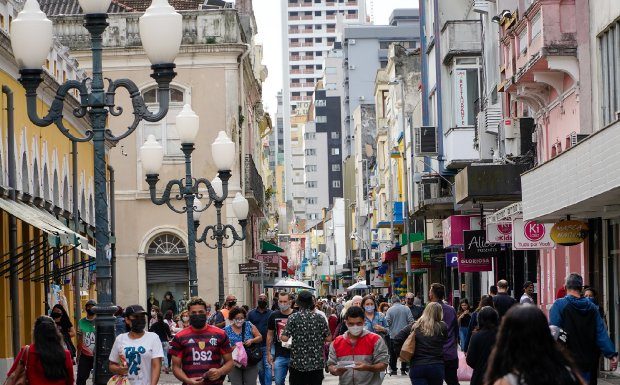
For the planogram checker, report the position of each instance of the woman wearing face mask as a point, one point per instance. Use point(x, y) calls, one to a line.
point(184, 320)
point(374, 321)
point(65, 327)
point(242, 331)
point(138, 353)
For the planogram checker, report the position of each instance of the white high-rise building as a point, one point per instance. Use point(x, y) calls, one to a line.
point(309, 33)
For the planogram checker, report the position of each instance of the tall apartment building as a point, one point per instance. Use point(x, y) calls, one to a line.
point(309, 35)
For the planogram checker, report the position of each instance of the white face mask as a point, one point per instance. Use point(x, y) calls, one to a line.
point(185, 319)
point(356, 330)
point(239, 322)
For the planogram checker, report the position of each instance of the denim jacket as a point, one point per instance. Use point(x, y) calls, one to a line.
point(379, 319)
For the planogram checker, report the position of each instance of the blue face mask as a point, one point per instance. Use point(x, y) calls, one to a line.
point(369, 309)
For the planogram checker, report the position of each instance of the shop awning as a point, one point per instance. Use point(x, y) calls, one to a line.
point(45, 221)
point(267, 247)
point(391, 255)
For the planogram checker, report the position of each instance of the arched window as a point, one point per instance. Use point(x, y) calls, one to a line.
point(25, 176)
point(65, 194)
point(36, 190)
point(46, 184)
point(165, 130)
point(167, 244)
point(56, 189)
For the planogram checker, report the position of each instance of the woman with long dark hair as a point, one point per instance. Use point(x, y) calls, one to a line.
point(525, 353)
point(485, 300)
point(482, 343)
point(464, 317)
point(46, 360)
point(61, 318)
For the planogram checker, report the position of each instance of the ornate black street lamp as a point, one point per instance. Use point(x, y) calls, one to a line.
point(223, 153)
point(31, 39)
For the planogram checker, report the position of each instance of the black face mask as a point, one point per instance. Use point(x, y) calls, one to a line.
point(138, 325)
point(56, 315)
point(90, 311)
point(262, 304)
point(232, 303)
point(198, 321)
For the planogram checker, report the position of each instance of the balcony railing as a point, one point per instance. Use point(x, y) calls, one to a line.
point(254, 188)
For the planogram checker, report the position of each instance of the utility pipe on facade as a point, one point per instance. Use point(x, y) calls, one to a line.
point(77, 311)
point(112, 230)
point(13, 279)
point(406, 175)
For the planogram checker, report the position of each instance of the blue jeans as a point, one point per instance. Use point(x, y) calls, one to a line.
point(281, 369)
point(427, 374)
point(462, 337)
point(264, 376)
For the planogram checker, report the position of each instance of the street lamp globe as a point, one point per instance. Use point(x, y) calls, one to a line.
point(31, 36)
point(218, 187)
point(161, 32)
point(198, 206)
point(95, 6)
point(223, 152)
point(152, 156)
point(241, 207)
point(188, 124)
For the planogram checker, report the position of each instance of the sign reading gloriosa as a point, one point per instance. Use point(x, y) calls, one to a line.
point(569, 233)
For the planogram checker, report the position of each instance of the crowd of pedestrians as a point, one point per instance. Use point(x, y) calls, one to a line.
point(357, 339)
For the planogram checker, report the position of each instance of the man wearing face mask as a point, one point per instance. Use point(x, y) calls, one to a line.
point(416, 308)
point(260, 318)
point(358, 356)
point(275, 326)
point(231, 302)
point(86, 343)
point(201, 353)
point(138, 353)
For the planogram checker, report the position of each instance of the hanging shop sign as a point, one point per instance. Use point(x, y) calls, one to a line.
point(249, 268)
point(476, 245)
point(417, 262)
point(569, 233)
point(531, 235)
point(453, 228)
point(452, 259)
point(500, 232)
point(474, 265)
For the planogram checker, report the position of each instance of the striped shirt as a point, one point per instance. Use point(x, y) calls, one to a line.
point(201, 350)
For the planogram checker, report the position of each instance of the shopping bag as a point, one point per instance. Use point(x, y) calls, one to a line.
point(406, 352)
point(464, 372)
point(240, 357)
point(118, 380)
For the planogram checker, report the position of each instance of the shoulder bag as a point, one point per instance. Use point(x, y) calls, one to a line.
point(408, 349)
point(19, 375)
point(255, 355)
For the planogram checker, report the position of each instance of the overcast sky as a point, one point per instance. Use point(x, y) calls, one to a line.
point(270, 35)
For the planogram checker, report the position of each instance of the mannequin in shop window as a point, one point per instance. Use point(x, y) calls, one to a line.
point(168, 303)
point(183, 301)
point(151, 302)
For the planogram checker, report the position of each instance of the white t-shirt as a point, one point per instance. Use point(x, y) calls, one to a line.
point(138, 354)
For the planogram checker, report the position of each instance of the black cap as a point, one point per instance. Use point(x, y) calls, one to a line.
point(133, 310)
point(90, 302)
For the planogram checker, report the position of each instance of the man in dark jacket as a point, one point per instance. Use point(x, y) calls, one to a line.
point(451, 359)
point(503, 301)
point(587, 336)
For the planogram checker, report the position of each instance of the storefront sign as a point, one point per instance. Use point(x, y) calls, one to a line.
point(452, 259)
point(461, 107)
point(474, 265)
point(418, 263)
point(453, 228)
point(531, 235)
point(569, 233)
point(437, 229)
point(249, 268)
point(476, 245)
point(499, 232)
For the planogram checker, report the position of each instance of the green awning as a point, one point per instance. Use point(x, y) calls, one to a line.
point(267, 247)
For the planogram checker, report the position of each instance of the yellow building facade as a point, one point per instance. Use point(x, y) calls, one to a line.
point(46, 237)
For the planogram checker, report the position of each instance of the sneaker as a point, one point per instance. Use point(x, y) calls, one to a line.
point(404, 372)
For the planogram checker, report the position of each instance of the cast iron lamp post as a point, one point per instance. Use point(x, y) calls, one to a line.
point(31, 39)
point(223, 152)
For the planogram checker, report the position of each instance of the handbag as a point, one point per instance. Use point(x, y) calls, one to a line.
point(406, 352)
point(19, 375)
point(255, 355)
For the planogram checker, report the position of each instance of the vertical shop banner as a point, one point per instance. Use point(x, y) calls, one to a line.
point(477, 252)
point(500, 232)
point(461, 108)
point(453, 228)
point(531, 235)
